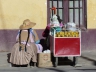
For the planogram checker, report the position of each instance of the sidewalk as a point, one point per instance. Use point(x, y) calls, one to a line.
point(3, 59)
point(87, 58)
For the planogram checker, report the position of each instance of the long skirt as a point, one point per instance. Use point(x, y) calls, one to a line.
point(21, 57)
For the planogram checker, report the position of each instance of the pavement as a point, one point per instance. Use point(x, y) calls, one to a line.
point(86, 62)
point(52, 69)
point(88, 58)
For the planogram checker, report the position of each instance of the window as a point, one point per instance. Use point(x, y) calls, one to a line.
point(59, 8)
point(70, 11)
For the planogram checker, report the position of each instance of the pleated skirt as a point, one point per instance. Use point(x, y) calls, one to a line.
point(21, 57)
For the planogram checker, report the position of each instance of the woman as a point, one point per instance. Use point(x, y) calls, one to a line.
point(27, 45)
point(47, 30)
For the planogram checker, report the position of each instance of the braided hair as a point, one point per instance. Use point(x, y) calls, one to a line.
point(20, 40)
point(58, 17)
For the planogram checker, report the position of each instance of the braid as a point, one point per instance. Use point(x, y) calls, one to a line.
point(58, 17)
point(27, 39)
point(20, 40)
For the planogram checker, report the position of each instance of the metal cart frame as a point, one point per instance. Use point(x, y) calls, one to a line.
point(54, 40)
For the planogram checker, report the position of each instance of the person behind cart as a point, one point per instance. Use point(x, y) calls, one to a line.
point(55, 23)
point(27, 45)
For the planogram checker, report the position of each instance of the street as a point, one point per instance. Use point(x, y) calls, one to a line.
point(52, 69)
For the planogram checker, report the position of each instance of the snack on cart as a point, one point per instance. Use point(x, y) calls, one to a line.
point(65, 43)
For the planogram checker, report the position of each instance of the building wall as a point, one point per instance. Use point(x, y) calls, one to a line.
point(88, 41)
point(91, 14)
point(13, 12)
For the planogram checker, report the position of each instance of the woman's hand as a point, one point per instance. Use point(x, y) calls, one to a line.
point(52, 25)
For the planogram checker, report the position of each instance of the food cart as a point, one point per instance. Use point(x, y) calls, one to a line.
point(66, 44)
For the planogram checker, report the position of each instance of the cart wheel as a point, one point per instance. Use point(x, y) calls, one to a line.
point(74, 61)
point(56, 62)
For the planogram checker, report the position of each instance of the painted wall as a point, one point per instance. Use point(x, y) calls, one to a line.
point(13, 12)
point(91, 14)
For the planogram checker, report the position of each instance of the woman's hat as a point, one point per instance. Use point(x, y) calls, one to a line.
point(27, 24)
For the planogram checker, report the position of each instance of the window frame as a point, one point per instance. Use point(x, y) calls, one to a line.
point(66, 11)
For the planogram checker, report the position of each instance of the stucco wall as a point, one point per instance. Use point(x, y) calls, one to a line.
point(13, 12)
point(91, 14)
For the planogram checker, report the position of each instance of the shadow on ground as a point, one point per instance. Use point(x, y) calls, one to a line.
point(64, 61)
point(8, 57)
point(89, 59)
